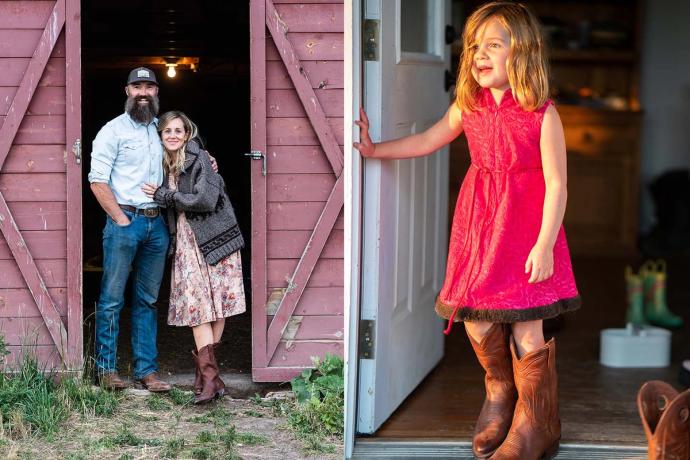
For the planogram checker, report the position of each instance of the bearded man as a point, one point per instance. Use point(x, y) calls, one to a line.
point(127, 153)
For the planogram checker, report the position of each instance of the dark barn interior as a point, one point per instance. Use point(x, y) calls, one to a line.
point(212, 37)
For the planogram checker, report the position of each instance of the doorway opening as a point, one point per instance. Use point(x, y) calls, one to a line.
point(214, 92)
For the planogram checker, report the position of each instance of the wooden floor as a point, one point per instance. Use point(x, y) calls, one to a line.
point(597, 404)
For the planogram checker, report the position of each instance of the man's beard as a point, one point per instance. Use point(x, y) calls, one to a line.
point(142, 113)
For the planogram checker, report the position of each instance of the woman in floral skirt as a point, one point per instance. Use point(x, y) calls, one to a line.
point(206, 282)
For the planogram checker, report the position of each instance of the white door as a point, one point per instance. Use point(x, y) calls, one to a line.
point(404, 232)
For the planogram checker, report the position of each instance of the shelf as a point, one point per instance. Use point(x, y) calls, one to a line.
point(625, 56)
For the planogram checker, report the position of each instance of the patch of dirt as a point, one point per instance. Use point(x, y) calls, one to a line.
point(152, 427)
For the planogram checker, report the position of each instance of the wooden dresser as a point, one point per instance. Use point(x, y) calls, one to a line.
point(603, 179)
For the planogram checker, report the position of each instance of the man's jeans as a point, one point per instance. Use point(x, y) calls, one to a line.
point(141, 245)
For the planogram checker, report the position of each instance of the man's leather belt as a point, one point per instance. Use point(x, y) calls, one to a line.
point(147, 212)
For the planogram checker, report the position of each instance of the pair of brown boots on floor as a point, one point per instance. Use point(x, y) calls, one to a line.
point(665, 417)
point(207, 382)
point(519, 419)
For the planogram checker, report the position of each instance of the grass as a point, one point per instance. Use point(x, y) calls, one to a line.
point(251, 439)
point(318, 412)
point(157, 402)
point(180, 397)
point(125, 437)
point(173, 447)
point(32, 403)
point(218, 416)
point(41, 415)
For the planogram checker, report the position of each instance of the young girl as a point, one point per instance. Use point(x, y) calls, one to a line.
point(207, 271)
point(508, 263)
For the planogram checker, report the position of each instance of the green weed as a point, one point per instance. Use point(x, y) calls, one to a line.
point(202, 453)
point(205, 437)
point(320, 398)
point(251, 439)
point(125, 437)
point(89, 400)
point(157, 402)
point(229, 438)
point(173, 447)
point(3, 349)
point(318, 410)
point(180, 397)
point(218, 416)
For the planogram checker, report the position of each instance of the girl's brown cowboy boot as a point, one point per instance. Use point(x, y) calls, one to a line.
point(536, 429)
point(212, 385)
point(665, 417)
point(494, 419)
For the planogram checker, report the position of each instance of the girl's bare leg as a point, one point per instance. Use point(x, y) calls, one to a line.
point(528, 336)
point(477, 329)
point(203, 335)
point(218, 327)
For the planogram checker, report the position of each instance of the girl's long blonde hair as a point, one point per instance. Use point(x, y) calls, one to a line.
point(527, 64)
point(174, 163)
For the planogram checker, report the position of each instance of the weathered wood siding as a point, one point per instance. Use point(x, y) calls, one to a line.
point(40, 300)
point(297, 120)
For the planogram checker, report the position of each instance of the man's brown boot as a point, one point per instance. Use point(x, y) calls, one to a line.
point(111, 381)
point(212, 385)
point(666, 420)
point(155, 385)
point(536, 429)
point(492, 426)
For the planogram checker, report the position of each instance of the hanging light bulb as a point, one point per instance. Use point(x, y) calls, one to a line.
point(171, 70)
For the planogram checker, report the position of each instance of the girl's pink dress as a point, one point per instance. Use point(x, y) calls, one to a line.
point(497, 220)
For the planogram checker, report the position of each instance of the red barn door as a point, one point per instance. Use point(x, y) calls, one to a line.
point(297, 184)
point(40, 182)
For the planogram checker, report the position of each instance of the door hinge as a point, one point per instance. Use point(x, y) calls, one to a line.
point(76, 150)
point(366, 339)
point(370, 40)
point(258, 155)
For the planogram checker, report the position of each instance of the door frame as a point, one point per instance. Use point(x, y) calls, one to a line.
point(353, 171)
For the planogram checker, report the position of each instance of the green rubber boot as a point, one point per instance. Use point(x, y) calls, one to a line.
point(654, 285)
point(633, 283)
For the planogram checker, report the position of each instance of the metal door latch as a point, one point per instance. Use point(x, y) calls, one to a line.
point(370, 40)
point(366, 339)
point(258, 155)
point(76, 150)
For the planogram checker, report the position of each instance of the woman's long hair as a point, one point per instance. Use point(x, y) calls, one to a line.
point(174, 163)
point(527, 66)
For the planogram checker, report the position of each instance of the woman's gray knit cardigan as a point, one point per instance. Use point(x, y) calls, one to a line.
point(201, 195)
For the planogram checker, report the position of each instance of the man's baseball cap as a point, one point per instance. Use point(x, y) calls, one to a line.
point(141, 74)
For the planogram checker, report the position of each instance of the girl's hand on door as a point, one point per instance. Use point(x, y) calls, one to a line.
point(365, 146)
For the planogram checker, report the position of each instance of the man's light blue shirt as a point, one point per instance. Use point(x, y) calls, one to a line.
point(125, 155)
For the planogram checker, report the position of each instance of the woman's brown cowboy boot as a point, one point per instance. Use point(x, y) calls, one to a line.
point(536, 429)
point(212, 385)
point(197, 376)
point(665, 417)
point(497, 412)
point(197, 373)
